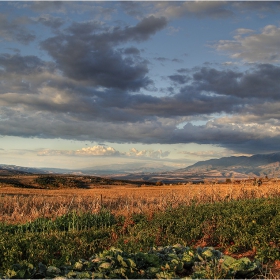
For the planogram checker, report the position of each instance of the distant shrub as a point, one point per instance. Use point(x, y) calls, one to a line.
point(49, 181)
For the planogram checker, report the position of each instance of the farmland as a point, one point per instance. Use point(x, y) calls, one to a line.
point(58, 226)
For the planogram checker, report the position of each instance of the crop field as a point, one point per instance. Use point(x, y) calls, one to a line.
point(24, 204)
point(134, 231)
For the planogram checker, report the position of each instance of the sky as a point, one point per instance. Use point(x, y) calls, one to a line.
point(87, 84)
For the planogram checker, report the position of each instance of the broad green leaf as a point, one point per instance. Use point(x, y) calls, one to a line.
point(97, 275)
point(119, 258)
point(71, 274)
point(130, 263)
point(53, 271)
point(174, 261)
point(208, 253)
point(78, 266)
point(187, 259)
point(84, 275)
point(105, 265)
point(21, 273)
point(180, 266)
point(10, 273)
point(227, 261)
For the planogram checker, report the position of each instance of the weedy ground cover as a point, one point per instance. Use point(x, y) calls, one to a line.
point(19, 205)
point(234, 226)
point(159, 263)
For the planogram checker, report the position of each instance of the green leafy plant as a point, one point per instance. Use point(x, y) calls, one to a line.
point(159, 263)
point(235, 226)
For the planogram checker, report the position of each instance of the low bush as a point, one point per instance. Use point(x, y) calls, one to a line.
point(234, 226)
point(169, 262)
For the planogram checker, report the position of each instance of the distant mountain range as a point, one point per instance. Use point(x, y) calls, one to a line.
point(256, 165)
point(259, 165)
point(241, 167)
point(6, 169)
point(130, 168)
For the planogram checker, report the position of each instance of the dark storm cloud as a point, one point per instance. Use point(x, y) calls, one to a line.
point(213, 91)
point(207, 91)
point(180, 79)
point(23, 74)
point(202, 90)
point(44, 125)
point(106, 36)
point(98, 87)
point(256, 146)
point(86, 53)
point(14, 30)
point(121, 117)
point(189, 102)
point(106, 68)
point(86, 30)
point(131, 51)
point(17, 64)
point(50, 21)
point(147, 27)
point(262, 81)
point(245, 139)
point(40, 6)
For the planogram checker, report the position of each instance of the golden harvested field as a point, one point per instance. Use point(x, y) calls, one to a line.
point(24, 204)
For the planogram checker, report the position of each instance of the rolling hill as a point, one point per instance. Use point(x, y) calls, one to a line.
point(241, 167)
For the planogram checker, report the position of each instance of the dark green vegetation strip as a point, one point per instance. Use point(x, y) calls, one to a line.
point(237, 226)
point(159, 263)
point(71, 221)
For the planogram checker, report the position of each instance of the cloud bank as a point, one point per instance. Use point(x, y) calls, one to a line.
point(101, 151)
point(250, 47)
point(94, 81)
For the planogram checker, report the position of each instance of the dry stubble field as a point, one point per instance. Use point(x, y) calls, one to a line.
point(19, 205)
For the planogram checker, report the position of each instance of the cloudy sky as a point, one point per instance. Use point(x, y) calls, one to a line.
point(93, 83)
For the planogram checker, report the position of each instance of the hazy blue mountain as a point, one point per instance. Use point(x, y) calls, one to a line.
point(130, 168)
point(14, 169)
point(115, 169)
point(260, 164)
point(242, 167)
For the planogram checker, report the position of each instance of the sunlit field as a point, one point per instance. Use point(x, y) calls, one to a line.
point(18, 205)
point(55, 232)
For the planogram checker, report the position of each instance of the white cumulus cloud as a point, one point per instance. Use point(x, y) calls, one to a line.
point(102, 150)
point(250, 47)
point(97, 151)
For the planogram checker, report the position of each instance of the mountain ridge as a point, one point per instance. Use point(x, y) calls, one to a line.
point(254, 160)
point(105, 170)
point(238, 167)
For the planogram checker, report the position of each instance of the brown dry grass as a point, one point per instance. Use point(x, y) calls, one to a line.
point(19, 205)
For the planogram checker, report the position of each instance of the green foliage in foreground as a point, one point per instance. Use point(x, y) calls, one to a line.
point(159, 263)
point(237, 226)
point(68, 222)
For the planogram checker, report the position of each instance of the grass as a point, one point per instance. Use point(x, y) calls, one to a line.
point(22, 205)
point(57, 226)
